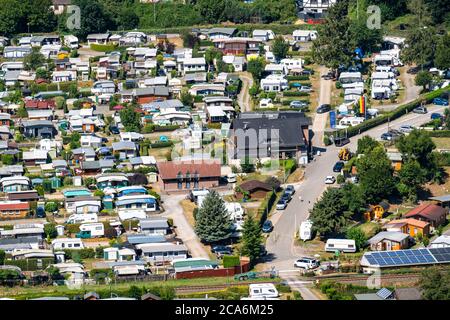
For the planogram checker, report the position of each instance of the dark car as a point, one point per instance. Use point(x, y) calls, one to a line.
point(413, 70)
point(40, 212)
point(323, 108)
point(221, 250)
point(286, 196)
point(339, 142)
point(338, 166)
point(435, 116)
point(387, 136)
point(290, 190)
point(267, 226)
point(114, 129)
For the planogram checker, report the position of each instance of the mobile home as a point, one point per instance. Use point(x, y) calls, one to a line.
point(341, 245)
point(263, 290)
point(67, 243)
point(95, 229)
point(82, 218)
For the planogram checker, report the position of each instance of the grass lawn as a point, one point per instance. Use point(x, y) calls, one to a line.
point(369, 228)
point(159, 153)
point(441, 143)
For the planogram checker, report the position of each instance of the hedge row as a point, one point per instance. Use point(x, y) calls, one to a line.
point(297, 78)
point(389, 116)
point(161, 144)
point(439, 133)
point(295, 94)
point(30, 264)
point(166, 128)
point(63, 86)
point(266, 206)
point(85, 253)
point(231, 261)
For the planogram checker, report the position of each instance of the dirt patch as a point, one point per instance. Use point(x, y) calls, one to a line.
point(296, 176)
point(188, 211)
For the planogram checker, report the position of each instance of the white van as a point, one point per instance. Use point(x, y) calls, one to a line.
point(82, 218)
point(263, 290)
point(96, 229)
point(341, 245)
point(306, 263)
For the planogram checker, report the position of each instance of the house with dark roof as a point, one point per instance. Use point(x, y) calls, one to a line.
point(271, 135)
point(429, 212)
point(254, 188)
point(221, 33)
point(187, 175)
point(40, 129)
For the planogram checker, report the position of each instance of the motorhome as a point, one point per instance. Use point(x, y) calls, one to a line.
point(263, 290)
point(341, 245)
point(351, 121)
point(82, 218)
point(306, 230)
point(94, 229)
point(350, 77)
point(71, 41)
point(67, 243)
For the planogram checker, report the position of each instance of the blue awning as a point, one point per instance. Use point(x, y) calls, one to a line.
point(133, 201)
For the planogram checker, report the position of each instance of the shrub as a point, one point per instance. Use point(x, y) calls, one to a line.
point(2, 257)
point(51, 207)
point(230, 261)
point(295, 94)
point(161, 144)
point(103, 47)
point(326, 140)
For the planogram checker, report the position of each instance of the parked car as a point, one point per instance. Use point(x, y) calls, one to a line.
point(304, 89)
point(323, 108)
point(413, 70)
point(298, 104)
point(306, 263)
point(387, 136)
point(440, 102)
point(267, 226)
point(339, 142)
point(338, 166)
point(222, 250)
point(420, 110)
point(435, 116)
point(281, 204)
point(406, 128)
point(290, 190)
point(330, 180)
point(286, 196)
point(114, 129)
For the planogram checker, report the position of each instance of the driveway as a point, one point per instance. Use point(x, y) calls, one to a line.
point(281, 241)
point(244, 99)
point(183, 229)
point(320, 120)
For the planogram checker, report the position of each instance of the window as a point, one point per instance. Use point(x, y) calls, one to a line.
point(331, 245)
point(76, 245)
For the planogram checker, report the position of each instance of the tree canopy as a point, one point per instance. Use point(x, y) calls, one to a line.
point(251, 239)
point(213, 222)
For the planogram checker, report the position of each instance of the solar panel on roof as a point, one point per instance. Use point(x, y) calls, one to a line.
point(384, 293)
point(409, 257)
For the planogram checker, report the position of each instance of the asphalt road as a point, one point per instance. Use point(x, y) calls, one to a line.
point(280, 243)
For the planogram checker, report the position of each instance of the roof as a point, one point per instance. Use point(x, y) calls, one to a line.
point(154, 223)
point(429, 211)
point(227, 31)
point(281, 125)
point(14, 205)
point(443, 198)
point(161, 247)
point(40, 104)
point(171, 169)
point(388, 235)
point(443, 239)
point(410, 221)
point(252, 185)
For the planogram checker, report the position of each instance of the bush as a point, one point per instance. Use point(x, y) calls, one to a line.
point(297, 78)
point(295, 94)
point(161, 144)
point(51, 207)
point(340, 179)
point(85, 253)
point(230, 261)
point(166, 128)
point(326, 140)
point(2, 257)
point(50, 230)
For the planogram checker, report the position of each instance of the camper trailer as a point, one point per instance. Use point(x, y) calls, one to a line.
point(341, 245)
point(82, 218)
point(67, 243)
point(305, 230)
point(263, 290)
point(91, 230)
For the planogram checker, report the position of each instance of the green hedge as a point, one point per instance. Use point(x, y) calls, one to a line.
point(216, 125)
point(297, 78)
point(295, 94)
point(161, 144)
point(230, 261)
point(30, 264)
point(439, 133)
point(266, 206)
point(166, 128)
point(72, 228)
point(103, 47)
point(389, 116)
point(85, 253)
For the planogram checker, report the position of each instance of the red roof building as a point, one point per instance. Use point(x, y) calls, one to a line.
point(429, 212)
point(40, 104)
point(188, 175)
point(14, 210)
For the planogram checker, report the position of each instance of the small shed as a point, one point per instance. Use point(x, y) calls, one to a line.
point(60, 230)
point(77, 181)
point(108, 203)
point(56, 183)
point(152, 177)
